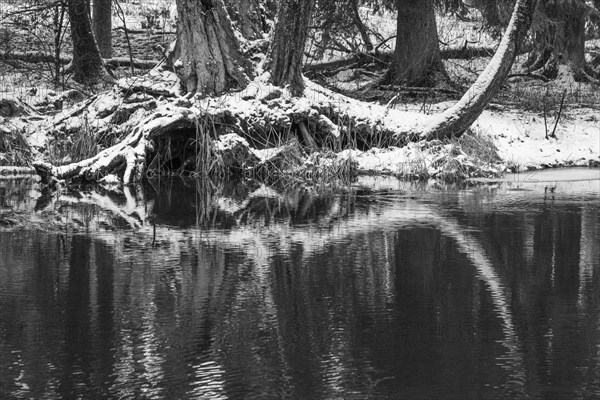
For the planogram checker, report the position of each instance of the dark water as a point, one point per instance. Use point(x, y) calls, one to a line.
point(190, 290)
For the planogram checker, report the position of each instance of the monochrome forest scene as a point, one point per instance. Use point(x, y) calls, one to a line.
point(300, 199)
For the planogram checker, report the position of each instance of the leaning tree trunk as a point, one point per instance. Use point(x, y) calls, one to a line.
point(287, 44)
point(417, 60)
point(210, 52)
point(461, 116)
point(102, 24)
point(87, 63)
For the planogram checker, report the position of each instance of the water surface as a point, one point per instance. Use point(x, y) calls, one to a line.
point(186, 289)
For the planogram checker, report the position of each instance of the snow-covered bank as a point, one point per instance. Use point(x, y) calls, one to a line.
point(125, 129)
point(520, 139)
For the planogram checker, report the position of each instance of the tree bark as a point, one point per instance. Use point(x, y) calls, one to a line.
point(87, 62)
point(287, 44)
point(210, 52)
point(495, 13)
point(362, 29)
point(461, 116)
point(560, 38)
point(570, 36)
point(250, 16)
point(417, 60)
point(102, 24)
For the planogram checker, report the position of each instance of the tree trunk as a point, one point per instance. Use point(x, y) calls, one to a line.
point(417, 60)
point(560, 39)
point(250, 17)
point(461, 116)
point(87, 64)
point(362, 29)
point(102, 24)
point(210, 52)
point(287, 44)
point(489, 10)
point(570, 35)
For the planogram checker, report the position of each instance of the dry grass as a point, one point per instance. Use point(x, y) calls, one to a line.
point(14, 150)
point(471, 155)
point(538, 96)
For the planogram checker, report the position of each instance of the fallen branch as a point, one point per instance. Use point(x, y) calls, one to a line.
point(8, 171)
point(37, 57)
point(529, 75)
point(562, 103)
point(466, 53)
point(144, 31)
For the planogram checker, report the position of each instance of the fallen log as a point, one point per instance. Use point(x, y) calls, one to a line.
point(37, 57)
point(145, 31)
point(383, 58)
point(9, 172)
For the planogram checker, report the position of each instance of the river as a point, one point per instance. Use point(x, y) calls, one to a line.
point(379, 289)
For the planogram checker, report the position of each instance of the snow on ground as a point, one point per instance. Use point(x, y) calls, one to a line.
point(521, 137)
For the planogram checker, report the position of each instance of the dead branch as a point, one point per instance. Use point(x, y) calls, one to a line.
point(37, 57)
point(8, 171)
point(529, 75)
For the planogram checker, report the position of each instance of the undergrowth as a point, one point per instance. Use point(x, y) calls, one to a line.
point(14, 149)
point(546, 97)
point(472, 155)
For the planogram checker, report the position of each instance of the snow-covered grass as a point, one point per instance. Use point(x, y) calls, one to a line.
point(471, 156)
point(14, 148)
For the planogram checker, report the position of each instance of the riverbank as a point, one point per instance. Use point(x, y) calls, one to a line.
point(500, 142)
point(521, 140)
point(262, 131)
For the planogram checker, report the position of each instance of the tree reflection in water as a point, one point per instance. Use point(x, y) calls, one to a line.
point(191, 289)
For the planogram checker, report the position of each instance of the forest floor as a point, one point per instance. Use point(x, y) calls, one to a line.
point(529, 125)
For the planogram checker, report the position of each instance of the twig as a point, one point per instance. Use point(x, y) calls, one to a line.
point(562, 102)
point(77, 111)
point(545, 119)
point(375, 50)
point(122, 16)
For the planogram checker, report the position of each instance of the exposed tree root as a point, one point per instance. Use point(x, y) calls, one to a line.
point(129, 155)
point(330, 119)
point(262, 113)
point(544, 65)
